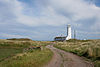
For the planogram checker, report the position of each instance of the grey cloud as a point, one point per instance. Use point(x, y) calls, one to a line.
point(49, 12)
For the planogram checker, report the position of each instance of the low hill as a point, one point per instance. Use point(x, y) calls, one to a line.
point(20, 39)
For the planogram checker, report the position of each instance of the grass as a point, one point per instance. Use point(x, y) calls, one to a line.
point(87, 48)
point(97, 63)
point(13, 53)
point(8, 52)
point(11, 48)
point(33, 58)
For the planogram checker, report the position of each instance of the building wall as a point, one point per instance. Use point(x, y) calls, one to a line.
point(60, 39)
point(68, 32)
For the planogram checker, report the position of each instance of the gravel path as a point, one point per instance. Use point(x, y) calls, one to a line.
point(66, 59)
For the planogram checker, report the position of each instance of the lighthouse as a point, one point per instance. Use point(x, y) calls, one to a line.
point(68, 32)
point(64, 38)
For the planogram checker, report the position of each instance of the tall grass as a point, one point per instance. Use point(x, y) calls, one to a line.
point(12, 54)
point(33, 58)
point(8, 52)
point(87, 48)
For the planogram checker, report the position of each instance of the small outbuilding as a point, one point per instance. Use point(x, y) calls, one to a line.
point(59, 38)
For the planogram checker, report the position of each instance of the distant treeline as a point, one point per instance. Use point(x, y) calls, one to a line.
point(20, 39)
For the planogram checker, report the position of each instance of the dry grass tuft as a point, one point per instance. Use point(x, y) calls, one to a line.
point(89, 48)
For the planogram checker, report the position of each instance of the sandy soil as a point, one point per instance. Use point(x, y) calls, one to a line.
point(66, 59)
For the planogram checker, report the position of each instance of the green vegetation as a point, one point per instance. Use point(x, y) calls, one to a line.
point(87, 48)
point(14, 53)
point(32, 58)
point(20, 39)
point(7, 52)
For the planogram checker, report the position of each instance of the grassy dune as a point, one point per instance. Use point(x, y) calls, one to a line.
point(13, 54)
point(7, 52)
point(87, 48)
point(33, 58)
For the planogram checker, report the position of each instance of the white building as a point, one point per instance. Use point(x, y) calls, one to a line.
point(68, 32)
point(63, 38)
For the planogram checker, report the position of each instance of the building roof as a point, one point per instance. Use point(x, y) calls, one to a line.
point(61, 37)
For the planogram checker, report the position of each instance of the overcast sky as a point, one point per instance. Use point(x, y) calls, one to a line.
point(46, 19)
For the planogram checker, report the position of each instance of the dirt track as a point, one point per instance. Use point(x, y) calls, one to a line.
point(66, 59)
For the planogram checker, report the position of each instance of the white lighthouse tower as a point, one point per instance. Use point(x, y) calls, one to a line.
point(68, 32)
